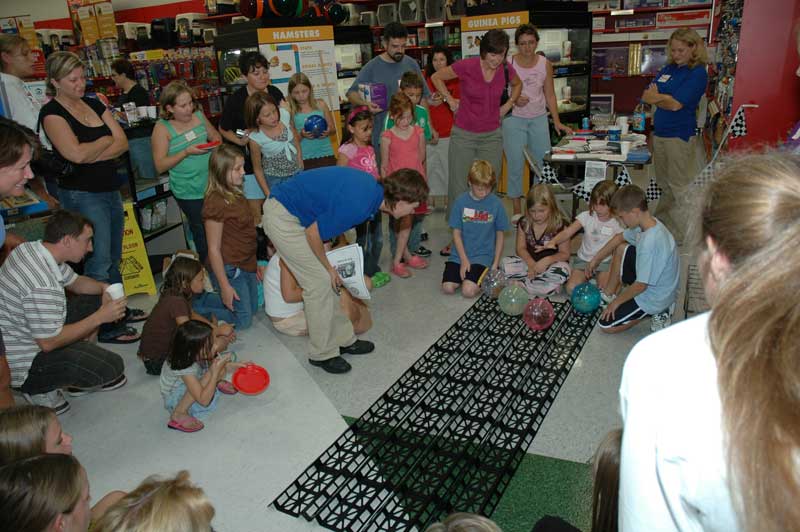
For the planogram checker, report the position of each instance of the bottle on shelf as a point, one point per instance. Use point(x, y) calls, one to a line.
point(640, 116)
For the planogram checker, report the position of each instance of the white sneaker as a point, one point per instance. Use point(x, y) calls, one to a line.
point(54, 400)
point(659, 321)
point(607, 299)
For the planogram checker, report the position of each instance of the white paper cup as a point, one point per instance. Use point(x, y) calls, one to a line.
point(625, 148)
point(116, 291)
point(622, 122)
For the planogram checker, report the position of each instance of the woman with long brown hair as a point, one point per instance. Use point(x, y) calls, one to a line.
point(711, 405)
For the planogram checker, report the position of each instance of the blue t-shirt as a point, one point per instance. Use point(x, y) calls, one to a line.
point(336, 197)
point(479, 222)
point(687, 86)
point(657, 266)
point(2, 230)
point(389, 73)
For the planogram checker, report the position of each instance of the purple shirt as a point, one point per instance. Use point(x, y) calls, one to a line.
point(479, 108)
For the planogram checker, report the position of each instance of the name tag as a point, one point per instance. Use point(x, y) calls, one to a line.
point(469, 213)
point(606, 231)
point(664, 78)
point(190, 136)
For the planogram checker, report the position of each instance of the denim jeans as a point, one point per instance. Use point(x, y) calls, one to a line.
point(369, 235)
point(209, 304)
point(246, 286)
point(519, 134)
point(105, 211)
point(193, 209)
point(274, 181)
point(414, 239)
point(141, 154)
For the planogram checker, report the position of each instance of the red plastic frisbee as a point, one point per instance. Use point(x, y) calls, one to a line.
point(209, 145)
point(251, 379)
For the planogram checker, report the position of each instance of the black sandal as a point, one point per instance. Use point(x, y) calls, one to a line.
point(133, 315)
point(114, 336)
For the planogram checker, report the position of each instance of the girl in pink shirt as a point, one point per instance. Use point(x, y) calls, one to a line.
point(403, 146)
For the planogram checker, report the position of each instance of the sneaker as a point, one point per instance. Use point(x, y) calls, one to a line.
point(423, 252)
point(417, 262)
point(607, 299)
point(659, 321)
point(119, 382)
point(400, 270)
point(332, 365)
point(359, 347)
point(423, 236)
point(54, 400)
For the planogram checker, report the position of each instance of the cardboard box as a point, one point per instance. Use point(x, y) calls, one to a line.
point(106, 24)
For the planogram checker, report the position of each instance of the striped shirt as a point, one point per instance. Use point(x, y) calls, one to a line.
point(32, 304)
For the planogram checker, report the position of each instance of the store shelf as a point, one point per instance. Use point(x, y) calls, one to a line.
point(455, 46)
point(640, 10)
point(158, 232)
point(423, 24)
point(623, 76)
point(219, 18)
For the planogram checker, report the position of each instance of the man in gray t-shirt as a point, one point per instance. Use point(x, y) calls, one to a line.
point(386, 68)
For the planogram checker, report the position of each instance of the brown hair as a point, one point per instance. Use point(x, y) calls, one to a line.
point(628, 198)
point(526, 29)
point(541, 194)
point(253, 105)
point(294, 81)
point(399, 104)
point(750, 211)
point(13, 138)
point(693, 40)
point(178, 278)
point(494, 42)
point(170, 95)
point(9, 44)
point(65, 223)
point(464, 522)
point(605, 484)
point(23, 431)
point(481, 173)
point(36, 490)
point(173, 504)
point(404, 184)
point(58, 66)
point(220, 165)
point(123, 66)
point(602, 194)
point(410, 80)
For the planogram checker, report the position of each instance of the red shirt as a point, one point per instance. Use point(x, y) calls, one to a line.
point(442, 115)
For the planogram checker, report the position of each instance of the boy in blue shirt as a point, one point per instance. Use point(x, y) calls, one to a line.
point(645, 259)
point(478, 220)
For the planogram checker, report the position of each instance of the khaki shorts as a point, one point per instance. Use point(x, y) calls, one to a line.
point(294, 325)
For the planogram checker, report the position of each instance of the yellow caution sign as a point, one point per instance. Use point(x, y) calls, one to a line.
point(135, 267)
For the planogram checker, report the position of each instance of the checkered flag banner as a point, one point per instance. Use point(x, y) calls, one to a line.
point(549, 175)
point(739, 125)
point(705, 176)
point(581, 192)
point(623, 177)
point(653, 191)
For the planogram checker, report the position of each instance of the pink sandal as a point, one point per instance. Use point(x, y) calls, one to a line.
point(400, 270)
point(189, 424)
point(417, 262)
point(227, 388)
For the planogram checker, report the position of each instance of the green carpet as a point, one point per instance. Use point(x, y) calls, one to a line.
point(543, 486)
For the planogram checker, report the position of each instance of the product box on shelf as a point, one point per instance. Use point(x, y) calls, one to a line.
point(375, 93)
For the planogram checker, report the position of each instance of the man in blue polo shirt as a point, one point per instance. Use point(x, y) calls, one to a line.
point(318, 205)
point(676, 94)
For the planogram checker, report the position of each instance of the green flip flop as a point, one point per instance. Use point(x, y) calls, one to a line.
point(380, 279)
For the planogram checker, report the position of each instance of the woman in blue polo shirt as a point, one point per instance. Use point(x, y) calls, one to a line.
point(676, 94)
point(318, 205)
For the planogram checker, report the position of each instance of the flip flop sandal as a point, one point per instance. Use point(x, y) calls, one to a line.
point(189, 424)
point(115, 337)
point(445, 251)
point(227, 388)
point(133, 315)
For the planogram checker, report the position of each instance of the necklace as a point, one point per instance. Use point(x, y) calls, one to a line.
point(81, 115)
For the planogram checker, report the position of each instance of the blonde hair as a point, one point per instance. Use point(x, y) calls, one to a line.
point(481, 173)
point(541, 194)
point(36, 490)
point(10, 44)
point(692, 39)
point(170, 95)
point(58, 66)
point(294, 81)
point(220, 164)
point(751, 211)
point(602, 194)
point(465, 522)
point(23, 431)
point(605, 484)
point(158, 504)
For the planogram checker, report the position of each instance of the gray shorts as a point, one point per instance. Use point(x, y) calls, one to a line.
point(579, 264)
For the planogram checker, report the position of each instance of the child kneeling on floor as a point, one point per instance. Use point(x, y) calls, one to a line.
point(183, 278)
point(193, 376)
point(541, 270)
point(598, 226)
point(645, 259)
point(478, 220)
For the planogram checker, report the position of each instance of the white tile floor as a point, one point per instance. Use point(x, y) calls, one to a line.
point(253, 447)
